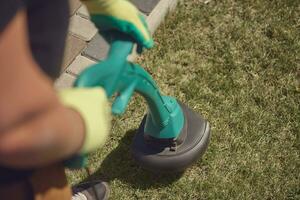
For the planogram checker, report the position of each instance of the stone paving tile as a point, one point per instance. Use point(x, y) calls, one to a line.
point(97, 48)
point(79, 64)
point(74, 5)
point(145, 6)
point(64, 81)
point(83, 12)
point(82, 28)
point(73, 47)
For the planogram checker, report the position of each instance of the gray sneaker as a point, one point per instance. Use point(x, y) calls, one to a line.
point(95, 190)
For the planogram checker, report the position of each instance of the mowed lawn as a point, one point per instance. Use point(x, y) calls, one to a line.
point(237, 62)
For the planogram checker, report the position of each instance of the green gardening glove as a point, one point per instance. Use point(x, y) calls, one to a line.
point(120, 15)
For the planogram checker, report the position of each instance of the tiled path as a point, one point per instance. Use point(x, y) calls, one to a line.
point(85, 46)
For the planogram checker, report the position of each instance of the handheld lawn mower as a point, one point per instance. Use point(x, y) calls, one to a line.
point(171, 136)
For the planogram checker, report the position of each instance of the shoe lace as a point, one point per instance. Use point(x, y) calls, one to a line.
point(79, 196)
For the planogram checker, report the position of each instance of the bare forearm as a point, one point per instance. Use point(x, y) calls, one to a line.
point(35, 128)
point(51, 136)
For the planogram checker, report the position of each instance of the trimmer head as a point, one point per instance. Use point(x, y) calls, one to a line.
point(172, 155)
point(187, 133)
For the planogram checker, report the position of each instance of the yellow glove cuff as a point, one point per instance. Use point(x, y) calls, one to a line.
point(93, 106)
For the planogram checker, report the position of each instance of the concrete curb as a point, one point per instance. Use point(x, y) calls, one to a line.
point(158, 14)
point(156, 17)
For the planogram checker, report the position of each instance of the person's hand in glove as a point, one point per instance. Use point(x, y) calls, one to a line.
point(93, 107)
point(120, 15)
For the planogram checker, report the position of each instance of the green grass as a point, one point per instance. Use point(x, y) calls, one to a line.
point(236, 63)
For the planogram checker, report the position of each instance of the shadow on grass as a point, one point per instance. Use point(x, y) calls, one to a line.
point(120, 165)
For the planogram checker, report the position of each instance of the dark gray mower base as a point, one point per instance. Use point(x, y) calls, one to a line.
point(159, 157)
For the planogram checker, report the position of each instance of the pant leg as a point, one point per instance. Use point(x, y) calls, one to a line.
point(50, 183)
point(19, 190)
point(48, 25)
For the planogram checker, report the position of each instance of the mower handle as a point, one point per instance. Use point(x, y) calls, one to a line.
point(108, 73)
point(122, 78)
